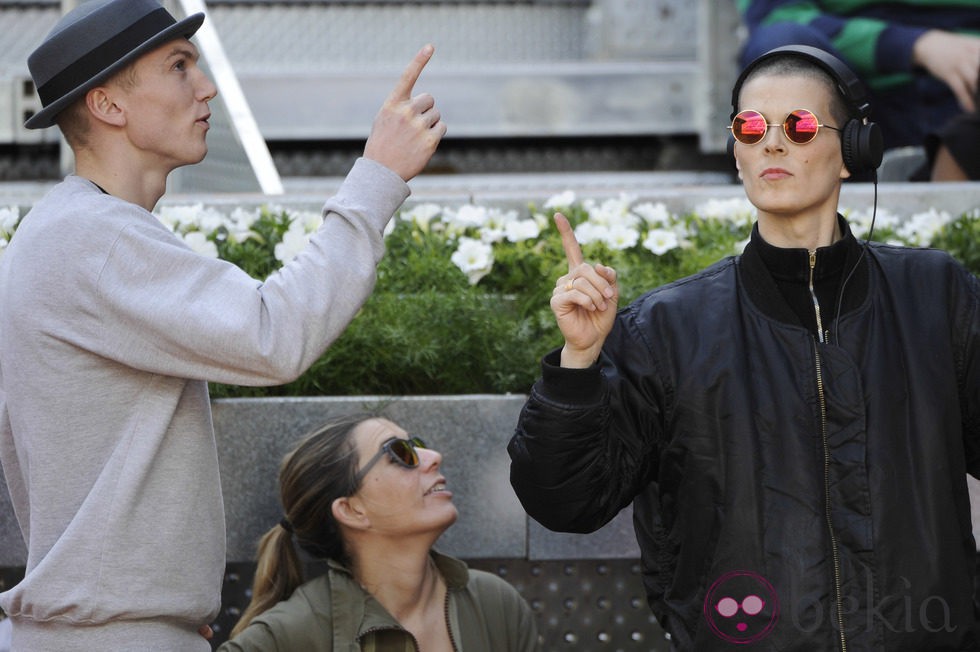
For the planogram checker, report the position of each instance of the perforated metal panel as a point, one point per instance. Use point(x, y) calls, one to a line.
point(580, 605)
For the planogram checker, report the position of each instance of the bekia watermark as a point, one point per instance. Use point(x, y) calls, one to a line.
point(743, 607)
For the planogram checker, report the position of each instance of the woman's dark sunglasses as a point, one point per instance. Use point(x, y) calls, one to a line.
point(800, 126)
point(401, 451)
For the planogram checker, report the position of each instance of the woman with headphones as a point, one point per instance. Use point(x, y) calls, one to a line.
point(792, 425)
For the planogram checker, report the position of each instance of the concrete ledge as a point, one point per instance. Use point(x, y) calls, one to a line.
point(680, 191)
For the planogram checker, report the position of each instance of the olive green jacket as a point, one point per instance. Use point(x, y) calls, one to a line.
point(332, 613)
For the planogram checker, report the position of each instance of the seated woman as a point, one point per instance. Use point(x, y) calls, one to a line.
point(363, 495)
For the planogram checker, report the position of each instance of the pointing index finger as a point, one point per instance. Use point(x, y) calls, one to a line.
point(403, 89)
point(573, 252)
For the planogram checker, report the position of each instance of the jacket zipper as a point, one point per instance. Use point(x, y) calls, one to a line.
point(834, 549)
point(452, 639)
point(813, 295)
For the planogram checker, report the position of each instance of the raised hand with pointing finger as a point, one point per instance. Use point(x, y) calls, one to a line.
point(584, 302)
point(407, 129)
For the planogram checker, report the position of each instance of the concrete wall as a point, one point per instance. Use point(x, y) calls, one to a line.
point(471, 432)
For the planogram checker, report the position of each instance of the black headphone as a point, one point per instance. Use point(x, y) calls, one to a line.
point(861, 142)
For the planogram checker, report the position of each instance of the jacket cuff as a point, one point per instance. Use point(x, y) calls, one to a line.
point(569, 386)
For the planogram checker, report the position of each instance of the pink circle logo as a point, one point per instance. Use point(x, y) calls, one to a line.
point(741, 607)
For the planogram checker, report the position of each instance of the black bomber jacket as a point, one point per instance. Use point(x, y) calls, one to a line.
point(790, 491)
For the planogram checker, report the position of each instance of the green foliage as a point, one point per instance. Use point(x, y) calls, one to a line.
point(961, 238)
point(428, 329)
point(461, 303)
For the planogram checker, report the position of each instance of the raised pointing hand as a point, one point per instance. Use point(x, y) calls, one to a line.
point(584, 302)
point(407, 129)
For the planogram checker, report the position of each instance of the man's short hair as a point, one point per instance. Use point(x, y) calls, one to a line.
point(790, 64)
point(74, 120)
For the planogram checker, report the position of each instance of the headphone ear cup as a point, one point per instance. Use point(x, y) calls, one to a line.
point(861, 146)
point(872, 145)
point(850, 146)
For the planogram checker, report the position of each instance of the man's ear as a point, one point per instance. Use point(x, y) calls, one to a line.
point(348, 512)
point(102, 106)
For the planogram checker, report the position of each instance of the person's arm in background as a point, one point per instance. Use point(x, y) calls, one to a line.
point(884, 53)
point(954, 59)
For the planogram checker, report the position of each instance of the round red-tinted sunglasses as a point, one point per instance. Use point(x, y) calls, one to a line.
point(401, 451)
point(800, 126)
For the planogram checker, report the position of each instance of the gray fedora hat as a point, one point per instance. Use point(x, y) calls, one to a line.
point(92, 42)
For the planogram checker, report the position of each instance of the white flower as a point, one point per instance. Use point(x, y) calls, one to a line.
point(653, 214)
point(660, 241)
point(683, 233)
point(243, 219)
point(176, 218)
point(612, 212)
point(467, 216)
point(519, 230)
point(210, 220)
point(496, 224)
point(309, 221)
point(199, 242)
point(860, 221)
point(561, 200)
point(620, 236)
point(589, 232)
point(473, 258)
point(737, 210)
point(421, 215)
point(542, 220)
point(293, 241)
point(921, 228)
point(8, 219)
point(239, 224)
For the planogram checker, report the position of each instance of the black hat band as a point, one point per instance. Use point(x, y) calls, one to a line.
point(99, 59)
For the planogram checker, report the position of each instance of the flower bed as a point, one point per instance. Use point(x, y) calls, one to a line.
point(461, 303)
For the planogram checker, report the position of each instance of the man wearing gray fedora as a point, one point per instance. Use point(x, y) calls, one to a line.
point(110, 329)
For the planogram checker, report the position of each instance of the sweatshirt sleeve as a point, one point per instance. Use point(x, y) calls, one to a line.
point(157, 306)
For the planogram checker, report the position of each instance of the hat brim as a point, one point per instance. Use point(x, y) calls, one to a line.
point(185, 28)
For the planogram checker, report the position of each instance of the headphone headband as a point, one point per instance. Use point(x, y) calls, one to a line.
point(850, 87)
point(861, 141)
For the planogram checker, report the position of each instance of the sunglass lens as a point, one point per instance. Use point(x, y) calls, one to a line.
point(749, 127)
point(801, 126)
point(404, 453)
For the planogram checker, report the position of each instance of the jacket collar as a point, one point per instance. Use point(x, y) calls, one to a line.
point(356, 610)
point(762, 267)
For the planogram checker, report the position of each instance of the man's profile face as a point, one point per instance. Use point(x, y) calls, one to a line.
point(166, 105)
point(782, 178)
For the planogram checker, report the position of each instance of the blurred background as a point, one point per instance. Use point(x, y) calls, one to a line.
point(524, 85)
